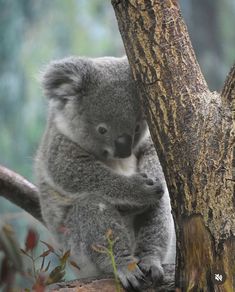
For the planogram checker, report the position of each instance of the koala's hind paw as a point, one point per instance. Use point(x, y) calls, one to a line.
point(152, 269)
point(132, 279)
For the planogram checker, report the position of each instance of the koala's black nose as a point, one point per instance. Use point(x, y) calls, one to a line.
point(123, 146)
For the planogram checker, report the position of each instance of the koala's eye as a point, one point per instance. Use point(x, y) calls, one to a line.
point(137, 128)
point(102, 130)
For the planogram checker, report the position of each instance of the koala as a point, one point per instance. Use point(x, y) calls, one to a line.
point(97, 170)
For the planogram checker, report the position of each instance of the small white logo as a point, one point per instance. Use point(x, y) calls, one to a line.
point(219, 277)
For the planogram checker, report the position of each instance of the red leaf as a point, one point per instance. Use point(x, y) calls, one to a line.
point(42, 264)
point(48, 245)
point(31, 240)
point(47, 267)
point(39, 285)
point(5, 270)
point(72, 263)
point(45, 253)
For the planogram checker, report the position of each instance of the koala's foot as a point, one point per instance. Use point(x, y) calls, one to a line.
point(152, 269)
point(132, 278)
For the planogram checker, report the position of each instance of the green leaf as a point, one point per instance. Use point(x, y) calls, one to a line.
point(56, 275)
point(65, 257)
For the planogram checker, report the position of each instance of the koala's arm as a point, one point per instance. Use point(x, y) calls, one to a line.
point(148, 161)
point(76, 172)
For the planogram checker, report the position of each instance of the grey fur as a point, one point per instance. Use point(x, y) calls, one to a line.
point(84, 185)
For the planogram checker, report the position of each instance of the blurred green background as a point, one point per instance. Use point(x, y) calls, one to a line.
point(33, 32)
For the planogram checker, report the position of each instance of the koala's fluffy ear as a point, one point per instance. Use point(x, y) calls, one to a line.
point(63, 79)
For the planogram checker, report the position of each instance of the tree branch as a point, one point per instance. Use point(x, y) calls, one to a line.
point(20, 192)
point(108, 284)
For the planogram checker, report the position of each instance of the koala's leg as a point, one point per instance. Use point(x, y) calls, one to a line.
point(88, 222)
point(154, 234)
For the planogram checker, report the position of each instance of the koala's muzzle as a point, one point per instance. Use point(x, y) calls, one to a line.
point(123, 146)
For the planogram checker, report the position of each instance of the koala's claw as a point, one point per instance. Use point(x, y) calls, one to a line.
point(152, 269)
point(132, 281)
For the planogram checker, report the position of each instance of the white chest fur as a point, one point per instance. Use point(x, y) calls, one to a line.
point(124, 166)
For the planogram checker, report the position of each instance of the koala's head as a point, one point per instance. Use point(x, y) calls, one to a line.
point(94, 103)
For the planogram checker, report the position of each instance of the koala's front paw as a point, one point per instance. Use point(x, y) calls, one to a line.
point(152, 188)
point(132, 278)
point(152, 269)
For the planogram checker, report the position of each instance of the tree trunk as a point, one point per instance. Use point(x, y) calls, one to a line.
point(193, 131)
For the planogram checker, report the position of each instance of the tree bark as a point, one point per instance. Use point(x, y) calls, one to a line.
point(193, 131)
